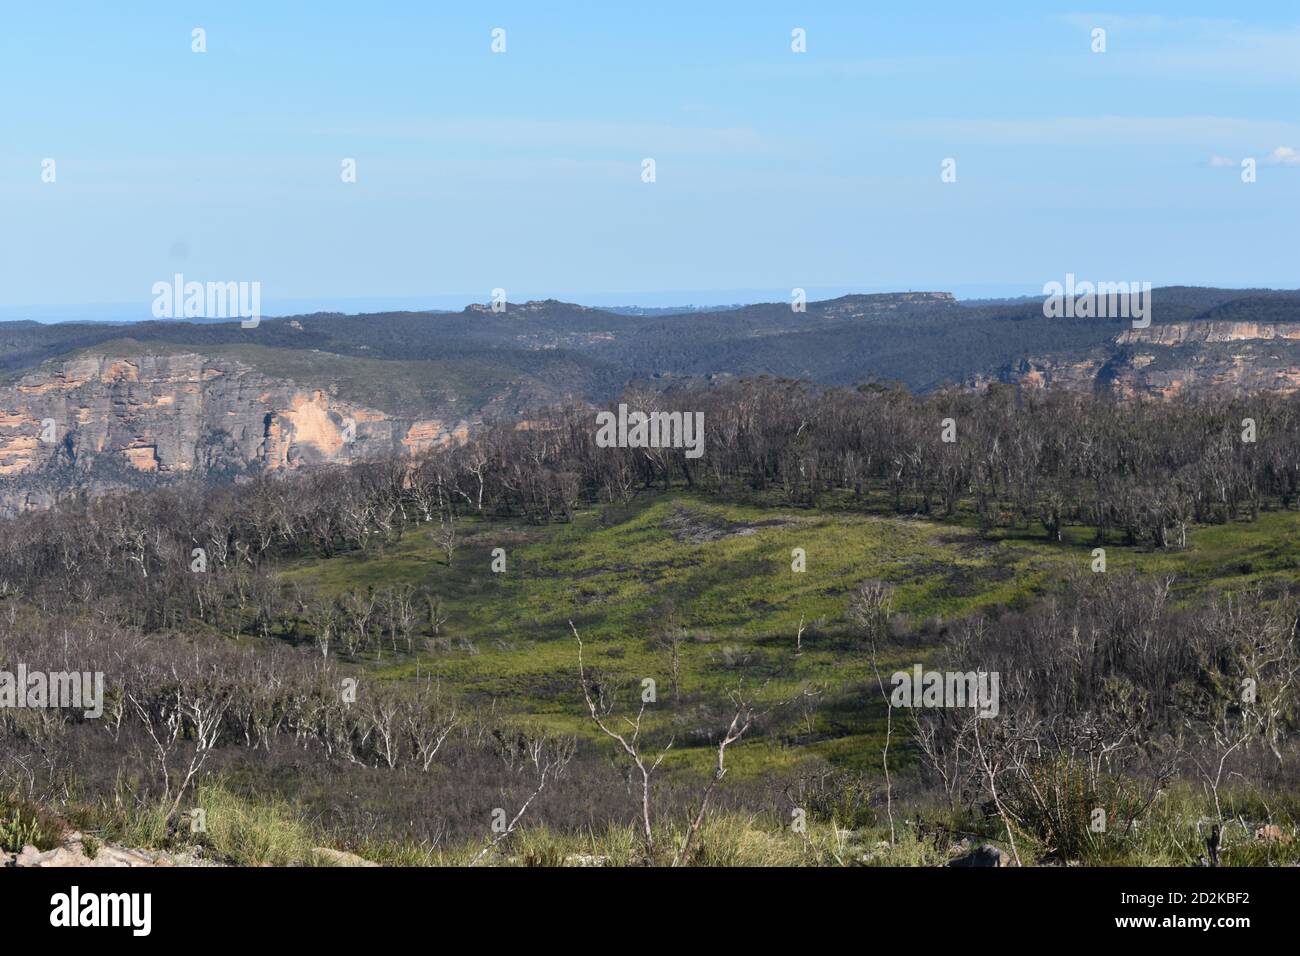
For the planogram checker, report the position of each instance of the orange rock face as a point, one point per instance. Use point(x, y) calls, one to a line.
point(1176, 358)
point(433, 433)
point(142, 457)
point(171, 415)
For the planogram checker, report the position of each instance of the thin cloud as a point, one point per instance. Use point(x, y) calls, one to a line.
point(1102, 130)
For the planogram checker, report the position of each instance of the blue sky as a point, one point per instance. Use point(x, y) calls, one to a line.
point(522, 170)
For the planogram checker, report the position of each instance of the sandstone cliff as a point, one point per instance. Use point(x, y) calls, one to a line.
point(1175, 358)
point(104, 421)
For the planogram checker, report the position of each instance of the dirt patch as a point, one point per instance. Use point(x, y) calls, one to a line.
point(692, 527)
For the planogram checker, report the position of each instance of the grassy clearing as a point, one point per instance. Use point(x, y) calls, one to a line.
point(727, 570)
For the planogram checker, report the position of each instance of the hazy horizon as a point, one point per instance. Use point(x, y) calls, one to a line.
point(125, 312)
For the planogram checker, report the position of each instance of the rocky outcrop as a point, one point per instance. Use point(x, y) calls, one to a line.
point(1050, 372)
point(325, 856)
point(1272, 833)
point(77, 851)
point(1184, 333)
point(109, 421)
point(982, 856)
point(1164, 361)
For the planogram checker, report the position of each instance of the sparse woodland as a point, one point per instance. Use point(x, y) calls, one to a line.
point(1168, 710)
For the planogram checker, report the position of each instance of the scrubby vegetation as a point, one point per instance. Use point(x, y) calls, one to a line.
point(385, 658)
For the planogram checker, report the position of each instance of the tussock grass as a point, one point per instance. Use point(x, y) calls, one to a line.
point(253, 831)
point(25, 824)
point(238, 830)
point(247, 832)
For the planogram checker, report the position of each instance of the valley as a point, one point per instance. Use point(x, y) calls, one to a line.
point(138, 404)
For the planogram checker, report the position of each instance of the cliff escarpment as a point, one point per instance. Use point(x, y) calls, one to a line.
point(1176, 358)
point(102, 421)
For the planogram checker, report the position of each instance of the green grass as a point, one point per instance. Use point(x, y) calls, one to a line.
point(727, 569)
point(737, 596)
point(1171, 833)
point(244, 830)
point(24, 824)
point(237, 830)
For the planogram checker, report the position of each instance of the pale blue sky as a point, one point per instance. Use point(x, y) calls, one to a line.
point(522, 170)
